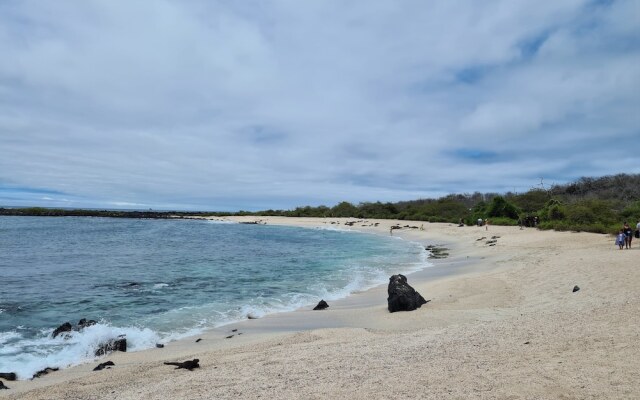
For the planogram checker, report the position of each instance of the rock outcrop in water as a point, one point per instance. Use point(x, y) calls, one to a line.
point(402, 297)
point(67, 327)
point(119, 344)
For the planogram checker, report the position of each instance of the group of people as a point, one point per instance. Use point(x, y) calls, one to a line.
point(624, 237)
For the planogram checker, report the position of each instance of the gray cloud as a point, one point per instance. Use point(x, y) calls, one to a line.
point(228, 105)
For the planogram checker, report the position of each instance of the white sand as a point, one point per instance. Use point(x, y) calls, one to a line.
point(502, 323)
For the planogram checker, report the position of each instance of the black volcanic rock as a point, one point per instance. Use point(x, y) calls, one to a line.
point(83, 323)
point(2, 386)
point(119, 344)
point(402, 297)
point(321, 305)
point(10, 376)
point(44, 372)
point(104, 365)
point(575, 288)
point(66, 327)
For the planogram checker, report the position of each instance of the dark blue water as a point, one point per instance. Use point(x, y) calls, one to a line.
point(158, 280)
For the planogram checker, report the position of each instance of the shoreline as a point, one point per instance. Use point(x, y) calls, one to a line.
point(271, 326)
point(479, 295)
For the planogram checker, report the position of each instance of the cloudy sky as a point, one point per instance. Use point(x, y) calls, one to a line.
point(227, 105)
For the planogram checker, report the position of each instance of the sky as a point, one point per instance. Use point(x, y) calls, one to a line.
point(250, 105)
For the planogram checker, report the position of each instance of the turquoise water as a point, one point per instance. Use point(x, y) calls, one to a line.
point(159, 280)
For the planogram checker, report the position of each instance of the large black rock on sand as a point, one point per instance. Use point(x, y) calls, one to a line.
point(321, 305)
point(402, 297)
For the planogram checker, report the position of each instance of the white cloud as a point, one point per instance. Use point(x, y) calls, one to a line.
point(274, 104)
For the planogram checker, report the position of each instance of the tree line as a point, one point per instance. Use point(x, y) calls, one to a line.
point(588, 204)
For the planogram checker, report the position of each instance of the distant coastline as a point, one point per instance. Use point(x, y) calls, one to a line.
point(58, 212)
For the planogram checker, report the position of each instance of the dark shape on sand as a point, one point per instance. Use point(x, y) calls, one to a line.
point(2, 386)
point(575, 288)
point(104, 365)
point(402, 297)
point(159, 345)
point(119, 344)
point(198, 339)
point(229, 337)
point(321, 305)
point(234, 330)
point(10, 376)
point(44, 372)
point(190, 365)
point(66, 327)
point(437, 252)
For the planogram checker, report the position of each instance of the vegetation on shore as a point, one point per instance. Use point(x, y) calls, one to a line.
point(589, 204)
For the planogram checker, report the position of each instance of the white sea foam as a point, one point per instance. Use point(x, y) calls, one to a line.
point(27, 356)
point(5, 337)
point(221, 222)
point(160, 285)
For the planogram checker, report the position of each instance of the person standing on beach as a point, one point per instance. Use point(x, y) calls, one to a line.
point(628, 233)
point(620, 239)
point(486, 224)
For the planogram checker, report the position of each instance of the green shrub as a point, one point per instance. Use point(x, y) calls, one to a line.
point(503, 221)
point(500, 207)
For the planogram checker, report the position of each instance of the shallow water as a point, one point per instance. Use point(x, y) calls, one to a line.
point(159, 280)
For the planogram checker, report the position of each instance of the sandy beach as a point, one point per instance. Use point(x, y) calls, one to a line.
point(503, 323)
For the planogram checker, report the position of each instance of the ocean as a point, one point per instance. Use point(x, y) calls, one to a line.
point(160, 280)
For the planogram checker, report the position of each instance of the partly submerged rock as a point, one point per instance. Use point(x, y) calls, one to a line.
point(66, 327)
point(402, 297)
point(119, 344)
point(83, 323)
